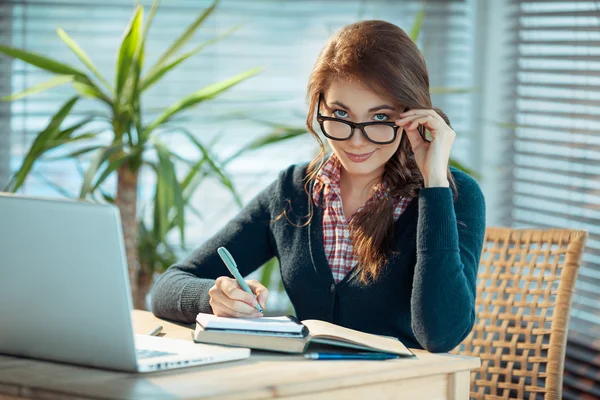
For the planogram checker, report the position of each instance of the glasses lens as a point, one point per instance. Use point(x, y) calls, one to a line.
point(380, 133)
point(337, 130)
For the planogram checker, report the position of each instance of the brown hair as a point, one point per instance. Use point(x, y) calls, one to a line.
point(383, 57)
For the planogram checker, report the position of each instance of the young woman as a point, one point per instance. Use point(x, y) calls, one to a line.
point(381, 236)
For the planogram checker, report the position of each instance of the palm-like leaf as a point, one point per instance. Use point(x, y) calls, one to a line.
point(157, 73)
point(41, 87)
point(415, 30)
point(127, 51)
point(217, 170)
point(110, 154)
point(88, 89)
point(124, 102)
point(280, 133)
point(168, 193)
point(201, 95)
point(82, 56)
point(40, 61)
point(41, 143)
point(184, 38)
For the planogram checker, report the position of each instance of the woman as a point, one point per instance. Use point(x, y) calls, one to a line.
point(382, 236)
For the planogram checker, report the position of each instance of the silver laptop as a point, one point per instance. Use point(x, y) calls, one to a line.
point(64, 291)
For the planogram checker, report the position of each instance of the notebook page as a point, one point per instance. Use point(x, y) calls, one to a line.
point(322, 329)
point(264, 324)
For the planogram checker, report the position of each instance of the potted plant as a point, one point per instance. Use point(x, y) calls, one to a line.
point(134, 140)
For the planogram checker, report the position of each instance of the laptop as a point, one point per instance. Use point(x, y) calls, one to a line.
point(64, 291)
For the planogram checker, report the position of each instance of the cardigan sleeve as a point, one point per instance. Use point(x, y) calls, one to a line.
point(450, 236)
point(182, 291)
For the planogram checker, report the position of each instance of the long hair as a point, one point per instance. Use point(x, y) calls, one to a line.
point(381, 56)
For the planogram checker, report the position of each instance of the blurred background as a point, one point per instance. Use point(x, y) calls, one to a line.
point(519, 80)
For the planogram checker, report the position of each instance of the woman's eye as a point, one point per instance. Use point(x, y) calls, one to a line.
point(340, 114)
point(380, 117)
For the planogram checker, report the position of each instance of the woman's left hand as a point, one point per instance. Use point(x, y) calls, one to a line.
point(431, 157)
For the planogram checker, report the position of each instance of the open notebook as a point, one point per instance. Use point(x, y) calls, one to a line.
point(287, 334)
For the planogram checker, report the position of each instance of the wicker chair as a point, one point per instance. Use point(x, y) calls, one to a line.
point(524, 290)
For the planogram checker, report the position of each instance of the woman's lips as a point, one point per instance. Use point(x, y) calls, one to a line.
point(359, 157)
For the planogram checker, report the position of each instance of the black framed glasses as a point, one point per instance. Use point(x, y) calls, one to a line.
point(382, 132)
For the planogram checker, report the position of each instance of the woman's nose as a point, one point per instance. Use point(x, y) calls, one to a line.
point(357, 139)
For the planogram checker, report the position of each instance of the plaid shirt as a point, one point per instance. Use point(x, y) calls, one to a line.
point(337, 239)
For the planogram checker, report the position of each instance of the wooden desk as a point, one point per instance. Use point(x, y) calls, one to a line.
point(264, 375)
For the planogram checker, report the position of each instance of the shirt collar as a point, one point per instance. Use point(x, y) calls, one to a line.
point(329, 175)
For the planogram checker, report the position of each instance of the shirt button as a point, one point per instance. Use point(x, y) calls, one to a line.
point(332, 288)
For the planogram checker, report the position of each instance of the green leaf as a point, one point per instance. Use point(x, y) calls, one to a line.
point(160, 70)
point(186, 36)
point(456, 164)
point(83, 57)
point(134, 91)
point(450, 90)
point(267, 271)
point(149, 21)
point(66, 140)
point(129, 45)
point(193, 171)
point(203, 94)
point(280, 133)
point(66, 133)
point(188, 186)
point(168, 194)
point(145, 30)
point(417, 26)
point(108, 198)
point(88, 89)
point(53, 185)
point(40, 61)
point(104, 154)
point(75, 153)
point(41, 87)
point(113, 165)
point(220, 172)
point(40, 144)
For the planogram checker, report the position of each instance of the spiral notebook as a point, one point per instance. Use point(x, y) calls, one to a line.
point(288, 334)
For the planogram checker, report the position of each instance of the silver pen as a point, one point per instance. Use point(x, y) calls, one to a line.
point(155, 331)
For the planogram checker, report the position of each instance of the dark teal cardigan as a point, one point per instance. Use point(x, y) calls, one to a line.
point(425, 297)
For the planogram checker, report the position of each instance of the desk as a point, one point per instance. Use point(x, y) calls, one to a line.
point(262, 376)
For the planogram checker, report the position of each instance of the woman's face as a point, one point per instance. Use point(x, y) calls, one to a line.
point(353, 102)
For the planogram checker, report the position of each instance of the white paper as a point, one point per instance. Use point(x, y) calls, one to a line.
point(264, 324)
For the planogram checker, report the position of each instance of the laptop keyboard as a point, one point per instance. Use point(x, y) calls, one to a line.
point(145, 353)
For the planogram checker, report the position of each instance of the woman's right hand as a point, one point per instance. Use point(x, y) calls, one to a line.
point(227, 298)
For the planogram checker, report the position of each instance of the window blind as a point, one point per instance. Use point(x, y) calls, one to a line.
point(5, 86)
point(284, 37)
point(555, 158)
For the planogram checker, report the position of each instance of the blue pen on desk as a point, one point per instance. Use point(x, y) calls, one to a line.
point(232, 267)
point(350, 356)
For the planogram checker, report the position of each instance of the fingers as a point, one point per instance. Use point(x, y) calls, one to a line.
point(232, 289)
point(423, 111)
point(227, 299)
point(426, 120)
point(261, 292)
point(430, 119)
point(225, 307)
point(415, 139)
point(413, 121)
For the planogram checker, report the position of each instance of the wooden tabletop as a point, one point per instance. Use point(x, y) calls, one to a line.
point(263, 375)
